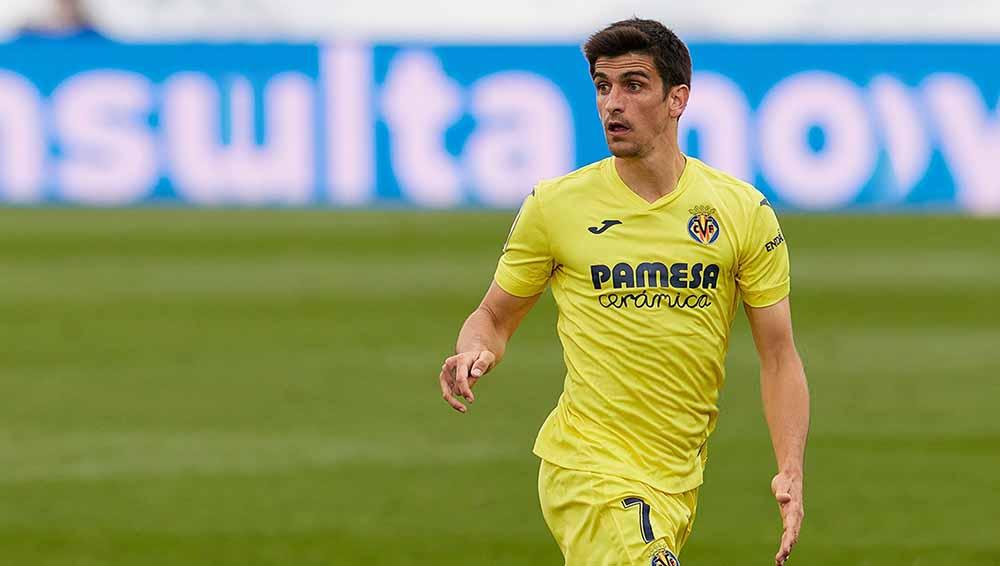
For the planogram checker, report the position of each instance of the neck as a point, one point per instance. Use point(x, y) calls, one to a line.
point(655, 174)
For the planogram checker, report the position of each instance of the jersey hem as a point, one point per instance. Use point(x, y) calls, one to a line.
point(672, 488)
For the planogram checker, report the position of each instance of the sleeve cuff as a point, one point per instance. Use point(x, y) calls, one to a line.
point(767, 297)
point(515, 286)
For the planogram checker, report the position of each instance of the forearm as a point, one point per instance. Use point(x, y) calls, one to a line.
point(786, 408)
point(482, 332)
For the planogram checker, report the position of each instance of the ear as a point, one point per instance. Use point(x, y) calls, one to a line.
point(677, 100)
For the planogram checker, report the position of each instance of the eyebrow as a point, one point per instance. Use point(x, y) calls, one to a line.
point(636, 73)
point(625, 75)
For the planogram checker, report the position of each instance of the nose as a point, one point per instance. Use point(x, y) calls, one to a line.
point(613, 102)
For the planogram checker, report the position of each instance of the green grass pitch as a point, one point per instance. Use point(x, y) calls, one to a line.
point(238, 388)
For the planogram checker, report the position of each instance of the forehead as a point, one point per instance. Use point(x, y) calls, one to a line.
point(627, 63)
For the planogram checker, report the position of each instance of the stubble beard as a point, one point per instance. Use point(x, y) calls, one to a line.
point(625, 150)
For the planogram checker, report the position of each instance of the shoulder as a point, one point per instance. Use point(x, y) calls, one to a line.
point(732, 190)
point(582, 179)
point(738, 200)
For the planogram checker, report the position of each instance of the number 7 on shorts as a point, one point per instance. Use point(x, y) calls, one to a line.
point(644, 524)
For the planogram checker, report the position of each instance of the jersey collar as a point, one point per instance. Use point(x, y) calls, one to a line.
point(629, 196)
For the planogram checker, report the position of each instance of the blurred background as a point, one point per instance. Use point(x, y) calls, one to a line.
point(238, 237)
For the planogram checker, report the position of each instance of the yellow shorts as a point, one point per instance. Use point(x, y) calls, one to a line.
point(601, 520)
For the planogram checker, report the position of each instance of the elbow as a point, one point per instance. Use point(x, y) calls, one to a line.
point(783, 362)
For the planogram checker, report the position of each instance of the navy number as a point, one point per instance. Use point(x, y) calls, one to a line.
point(647, 528)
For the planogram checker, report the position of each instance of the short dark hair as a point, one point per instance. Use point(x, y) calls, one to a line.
point(671, 56)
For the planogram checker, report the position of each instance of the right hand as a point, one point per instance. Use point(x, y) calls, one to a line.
point(460, 372)
point(787, 489)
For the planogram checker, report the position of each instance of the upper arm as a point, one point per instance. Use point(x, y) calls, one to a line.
point(527, 262)
point(506, 310)
point(772, 331)
point(763, 272)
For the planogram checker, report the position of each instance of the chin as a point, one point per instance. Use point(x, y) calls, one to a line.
point(620, 149)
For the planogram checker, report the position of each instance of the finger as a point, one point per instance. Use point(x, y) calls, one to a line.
point(791, 519)
point(785, 549)
point(780, 484)
point(447, 396)
point(789, 537)
point(790, 534)
point(483, 363)
point(783, 553)
point(462, 379)
point(791, 514)
point(449, 376)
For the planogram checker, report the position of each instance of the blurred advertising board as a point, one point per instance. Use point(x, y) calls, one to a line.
point(815, 126)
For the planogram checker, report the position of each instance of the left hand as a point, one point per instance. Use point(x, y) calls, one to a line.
point(787, 490)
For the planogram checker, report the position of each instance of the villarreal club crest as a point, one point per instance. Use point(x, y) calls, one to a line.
point(703, 226)
point(664, 558)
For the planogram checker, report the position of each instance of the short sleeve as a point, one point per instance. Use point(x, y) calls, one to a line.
point(763, 271)
point(526, 263)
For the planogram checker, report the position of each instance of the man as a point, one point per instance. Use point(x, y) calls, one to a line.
point(647, 252)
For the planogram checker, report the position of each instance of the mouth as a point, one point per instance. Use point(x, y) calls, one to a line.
point(617, 128)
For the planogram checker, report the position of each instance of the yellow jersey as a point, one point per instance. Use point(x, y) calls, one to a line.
point(646, 294)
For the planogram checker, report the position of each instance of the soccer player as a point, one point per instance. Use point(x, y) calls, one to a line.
point(648, 253)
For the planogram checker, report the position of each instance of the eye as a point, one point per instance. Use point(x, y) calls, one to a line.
point(634, 86)
point(603, 87)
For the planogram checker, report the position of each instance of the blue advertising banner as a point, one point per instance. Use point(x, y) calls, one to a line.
point(89, 121)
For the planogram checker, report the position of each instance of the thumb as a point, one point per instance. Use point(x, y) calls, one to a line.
point(483, 363)
point(781, 489)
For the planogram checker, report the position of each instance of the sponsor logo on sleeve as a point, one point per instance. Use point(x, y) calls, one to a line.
point(774, 243)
